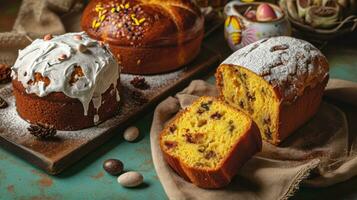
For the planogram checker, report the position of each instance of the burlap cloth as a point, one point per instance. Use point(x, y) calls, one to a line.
point(321, 153)
point(35, 19)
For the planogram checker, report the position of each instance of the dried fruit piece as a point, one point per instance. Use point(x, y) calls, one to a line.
point(170, 144)
point(76, 74)
point(201, 148)
point(251, 97)
point(279, 47)
point(200, 111)
point(267, 120)
point(206, 106)
point(231, 126)
point(42, 131)
point(173, 128)
point(194, 138)
point(210, 154)
point(38, 77)
point(216, 115)
point(201, 122)
point(241, 104)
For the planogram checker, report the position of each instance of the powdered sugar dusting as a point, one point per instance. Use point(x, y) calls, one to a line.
point(14, 128)
point(287, 63)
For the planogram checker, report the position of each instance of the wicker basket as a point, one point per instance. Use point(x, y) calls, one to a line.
point(347, 25)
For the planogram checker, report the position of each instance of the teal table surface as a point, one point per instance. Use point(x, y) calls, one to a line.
point(87, 180)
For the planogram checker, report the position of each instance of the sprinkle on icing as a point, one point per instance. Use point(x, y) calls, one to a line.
point(59, 65)
point(121, 9)
point(287, 63)
point(129, 20)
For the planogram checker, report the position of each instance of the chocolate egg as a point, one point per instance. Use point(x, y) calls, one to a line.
point(113, 166)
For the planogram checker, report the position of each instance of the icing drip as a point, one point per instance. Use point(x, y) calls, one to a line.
point(285, 62)
point(57, 60)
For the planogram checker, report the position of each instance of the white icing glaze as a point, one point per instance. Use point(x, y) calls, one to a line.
point(285, 62)
point(98, 65)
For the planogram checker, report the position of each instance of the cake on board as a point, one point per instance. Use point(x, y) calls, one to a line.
point(68, 82)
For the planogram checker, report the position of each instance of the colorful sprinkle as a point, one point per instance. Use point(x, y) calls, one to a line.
point(127, 19)
point(97, 25)
point(93, 23)
point(102, 18)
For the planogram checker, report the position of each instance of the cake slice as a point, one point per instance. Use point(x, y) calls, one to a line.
point(209, 141)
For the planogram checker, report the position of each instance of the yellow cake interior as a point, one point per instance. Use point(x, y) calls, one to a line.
point(203, 136)
point(246, 90)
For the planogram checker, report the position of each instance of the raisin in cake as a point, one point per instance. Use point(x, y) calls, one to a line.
point(278, 81)
point(69, 82)
point(208, 142)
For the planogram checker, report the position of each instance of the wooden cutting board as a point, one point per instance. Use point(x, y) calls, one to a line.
point(57, 154)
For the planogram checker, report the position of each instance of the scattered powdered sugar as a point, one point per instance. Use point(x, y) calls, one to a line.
point(14, 128)
point(287, 63)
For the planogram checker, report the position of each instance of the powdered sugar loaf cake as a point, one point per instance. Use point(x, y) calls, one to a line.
point(69, 82)
point(278, 81)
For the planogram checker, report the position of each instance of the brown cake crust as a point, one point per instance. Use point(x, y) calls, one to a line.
point(168, 36)
point(303, 109)
point(244, 149)
point(156, 59)
point(61, 111)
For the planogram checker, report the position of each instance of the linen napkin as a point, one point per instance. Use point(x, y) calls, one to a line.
point(318, 154)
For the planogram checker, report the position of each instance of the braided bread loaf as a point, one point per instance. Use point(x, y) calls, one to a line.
point(278, 81)
point(147, 36)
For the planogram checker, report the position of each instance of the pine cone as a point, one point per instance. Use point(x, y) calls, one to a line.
point(3, 103)
point(42, 131)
